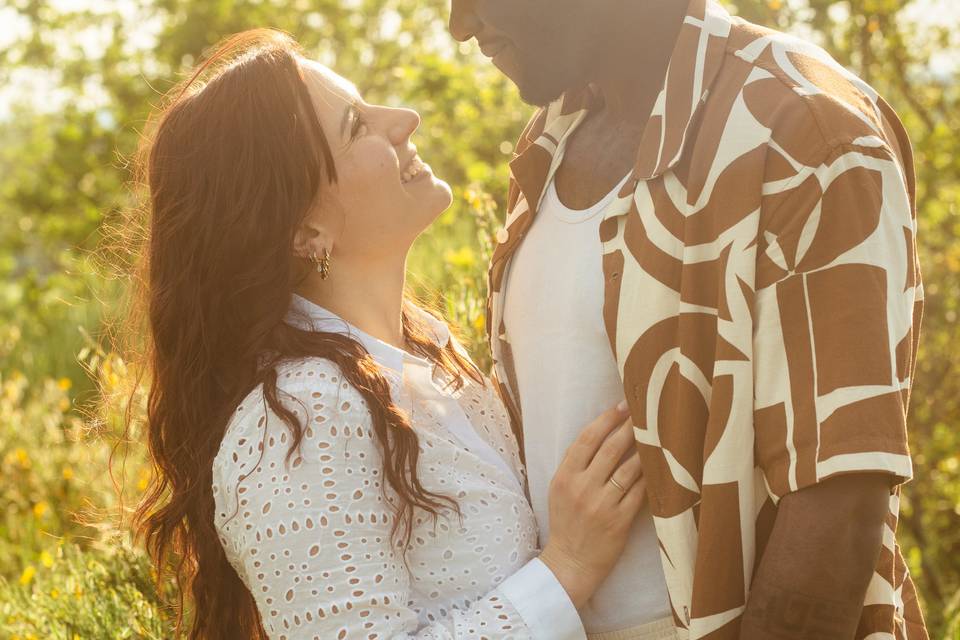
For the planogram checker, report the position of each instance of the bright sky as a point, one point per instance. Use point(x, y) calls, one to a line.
point(42, 90)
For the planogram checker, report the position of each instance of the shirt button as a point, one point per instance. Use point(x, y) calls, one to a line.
point(503, 235)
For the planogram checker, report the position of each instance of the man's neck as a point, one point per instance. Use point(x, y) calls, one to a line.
point(369, 296)
point(631, 62)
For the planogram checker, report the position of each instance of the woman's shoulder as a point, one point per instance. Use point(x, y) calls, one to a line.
point(257, 470)
point(294, 375)
point(314, 390)
point(298, 379)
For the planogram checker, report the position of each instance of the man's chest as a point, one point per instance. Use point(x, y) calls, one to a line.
point(675, 269)
point(677, 255)
point(595, 157)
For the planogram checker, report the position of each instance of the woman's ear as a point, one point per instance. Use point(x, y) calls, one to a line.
point(312, 236)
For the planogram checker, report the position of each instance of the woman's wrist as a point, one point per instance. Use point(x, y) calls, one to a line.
point(574, 579)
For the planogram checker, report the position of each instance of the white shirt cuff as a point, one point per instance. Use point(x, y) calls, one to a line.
point(543, 603)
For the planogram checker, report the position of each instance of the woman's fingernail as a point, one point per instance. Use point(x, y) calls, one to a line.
point(622, 406)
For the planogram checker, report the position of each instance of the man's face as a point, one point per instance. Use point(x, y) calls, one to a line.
point(540, 45)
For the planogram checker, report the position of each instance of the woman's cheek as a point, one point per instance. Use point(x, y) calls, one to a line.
point(359, 186)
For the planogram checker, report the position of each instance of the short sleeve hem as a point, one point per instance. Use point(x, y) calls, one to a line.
point(876, 457)
point(895, 464)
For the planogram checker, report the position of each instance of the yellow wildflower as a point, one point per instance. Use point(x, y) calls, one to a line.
point(472, 197)
point(11, 392)
point(109, 375)
point(27, 575)
point(22, 457)
point(479, 322)
point(143, 480)
point(40, 509)
point(54, 594)
point(110, 372)
point(64, 384)
point(46, 559)
point(463, 257)
point(68, 473)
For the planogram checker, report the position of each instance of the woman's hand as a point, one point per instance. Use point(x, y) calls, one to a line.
point(590, 516)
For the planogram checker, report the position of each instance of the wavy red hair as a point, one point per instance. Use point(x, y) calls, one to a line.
point(232, 163)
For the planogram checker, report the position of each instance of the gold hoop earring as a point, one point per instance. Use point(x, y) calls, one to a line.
point(323, 264)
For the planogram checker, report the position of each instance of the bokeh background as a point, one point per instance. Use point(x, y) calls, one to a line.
point(77, 80)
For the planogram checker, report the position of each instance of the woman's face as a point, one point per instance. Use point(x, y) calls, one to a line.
point(385, 196)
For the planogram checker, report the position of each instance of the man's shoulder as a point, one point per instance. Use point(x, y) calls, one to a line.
point(794, 87)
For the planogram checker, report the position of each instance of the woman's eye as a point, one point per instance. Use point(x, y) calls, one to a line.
point(358, 124)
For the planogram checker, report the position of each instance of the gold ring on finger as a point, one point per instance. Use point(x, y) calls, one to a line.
point(617, 484)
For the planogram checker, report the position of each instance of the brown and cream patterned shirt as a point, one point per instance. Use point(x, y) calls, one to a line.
point(762, 298)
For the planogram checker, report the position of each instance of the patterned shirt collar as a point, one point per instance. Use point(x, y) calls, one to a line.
point(310, 316)
point(706, 28)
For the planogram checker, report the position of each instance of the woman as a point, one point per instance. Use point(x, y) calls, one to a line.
point(331, 463)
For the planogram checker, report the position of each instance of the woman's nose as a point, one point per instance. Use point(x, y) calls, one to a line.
point(403, 123)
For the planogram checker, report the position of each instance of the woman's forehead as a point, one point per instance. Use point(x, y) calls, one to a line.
point(328, 82)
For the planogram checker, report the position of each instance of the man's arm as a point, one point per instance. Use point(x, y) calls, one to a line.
point(822, 552)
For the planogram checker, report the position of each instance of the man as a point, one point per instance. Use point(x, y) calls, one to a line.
point(716, 222)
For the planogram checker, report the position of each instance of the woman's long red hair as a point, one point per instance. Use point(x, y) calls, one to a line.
point(232, 163)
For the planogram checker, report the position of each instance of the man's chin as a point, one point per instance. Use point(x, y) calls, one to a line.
point(536, 80)
point(538, 96)
point(538, 89)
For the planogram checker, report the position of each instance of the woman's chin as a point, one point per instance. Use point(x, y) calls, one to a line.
point(446, 192)
point(432, 197)
point(438, 195)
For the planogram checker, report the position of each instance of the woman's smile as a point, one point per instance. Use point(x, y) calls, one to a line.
point(414, 170)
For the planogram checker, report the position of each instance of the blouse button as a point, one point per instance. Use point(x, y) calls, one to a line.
point(503, 235)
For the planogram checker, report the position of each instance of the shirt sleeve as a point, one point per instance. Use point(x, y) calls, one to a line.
point(312, 541)
point(837, 312)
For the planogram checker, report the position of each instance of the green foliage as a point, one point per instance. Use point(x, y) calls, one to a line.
point(62, 174)
point(64, 567)
point(40, 469)
point(108, 592)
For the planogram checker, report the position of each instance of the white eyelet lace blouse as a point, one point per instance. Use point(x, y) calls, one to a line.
point(312, 540)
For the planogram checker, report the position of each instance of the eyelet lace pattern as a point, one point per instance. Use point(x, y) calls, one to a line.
point(311, 540)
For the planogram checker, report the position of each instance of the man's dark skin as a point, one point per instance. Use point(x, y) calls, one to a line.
point(813, 576)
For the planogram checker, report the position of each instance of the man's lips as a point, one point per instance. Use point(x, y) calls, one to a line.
point(491, 48)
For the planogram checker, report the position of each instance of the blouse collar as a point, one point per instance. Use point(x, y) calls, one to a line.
point(309, 316)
